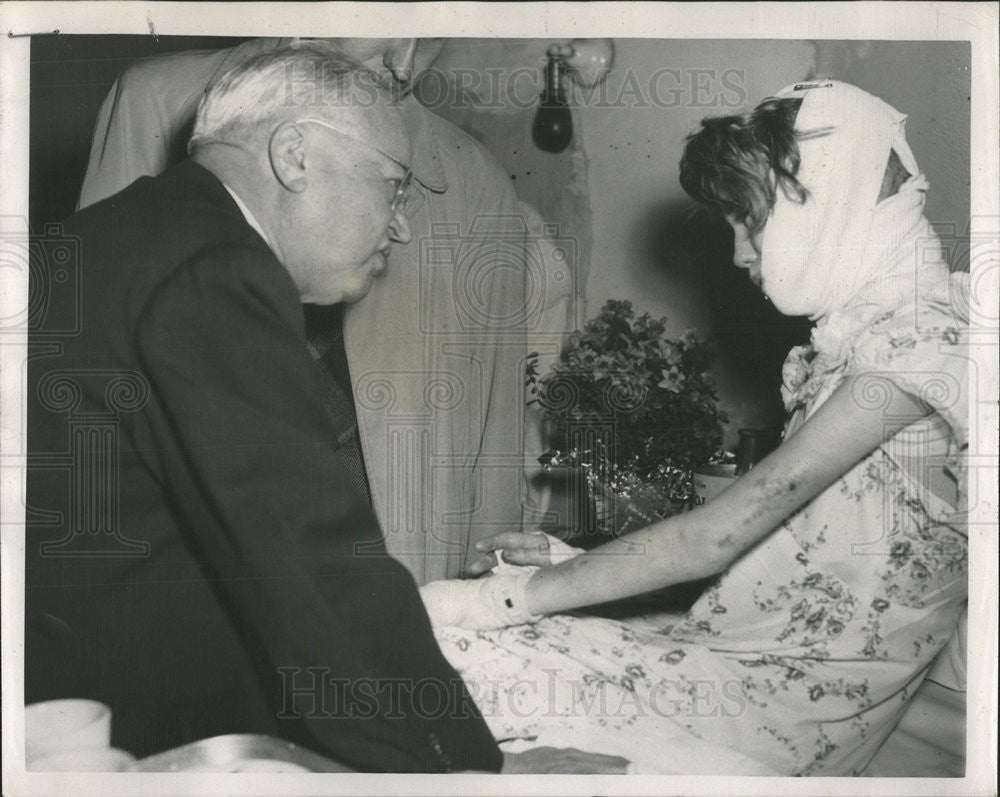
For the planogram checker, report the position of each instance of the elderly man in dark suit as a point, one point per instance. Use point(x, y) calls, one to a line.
point(434, 362)
point(209, 562)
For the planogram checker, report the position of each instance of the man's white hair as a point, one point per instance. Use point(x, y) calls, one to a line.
point(265, 90)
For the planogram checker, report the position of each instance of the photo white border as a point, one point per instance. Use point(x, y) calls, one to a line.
point(974, 22)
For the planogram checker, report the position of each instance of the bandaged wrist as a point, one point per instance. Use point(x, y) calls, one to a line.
point(506, 594)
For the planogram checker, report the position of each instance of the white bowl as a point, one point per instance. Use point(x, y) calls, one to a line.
point(97, 759)
point(61, 725)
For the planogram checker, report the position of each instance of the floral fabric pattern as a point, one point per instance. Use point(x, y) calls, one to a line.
point(799, 659)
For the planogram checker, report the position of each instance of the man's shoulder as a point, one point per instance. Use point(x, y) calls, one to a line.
point(186, 71)
point(183, 185)
point(159, 223)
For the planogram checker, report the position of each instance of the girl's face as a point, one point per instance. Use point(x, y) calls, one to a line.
point(746, 250)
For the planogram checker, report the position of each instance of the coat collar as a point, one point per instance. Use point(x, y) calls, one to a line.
point(192, 182)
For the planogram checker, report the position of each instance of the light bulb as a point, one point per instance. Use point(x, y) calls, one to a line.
point(590, 60)
point(552, 129)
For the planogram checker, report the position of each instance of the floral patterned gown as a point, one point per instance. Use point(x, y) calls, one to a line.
point(799, 659)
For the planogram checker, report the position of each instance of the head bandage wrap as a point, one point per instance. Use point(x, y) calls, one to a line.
point(842, 248)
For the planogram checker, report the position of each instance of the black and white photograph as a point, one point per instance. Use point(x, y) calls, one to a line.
point(571, 389)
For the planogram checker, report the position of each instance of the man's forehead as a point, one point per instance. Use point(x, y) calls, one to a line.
point(378, 127)
point(383, 129)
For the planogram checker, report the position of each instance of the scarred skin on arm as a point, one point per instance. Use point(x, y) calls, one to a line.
point(708, 539)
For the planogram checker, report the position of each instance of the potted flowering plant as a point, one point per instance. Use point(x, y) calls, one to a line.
point(633, 413)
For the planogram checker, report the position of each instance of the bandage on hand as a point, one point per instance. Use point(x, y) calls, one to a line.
point(493, 601)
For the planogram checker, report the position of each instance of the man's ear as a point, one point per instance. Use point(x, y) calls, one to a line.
point(287, 152)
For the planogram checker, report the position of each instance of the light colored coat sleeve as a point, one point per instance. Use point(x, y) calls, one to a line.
point(144, 122)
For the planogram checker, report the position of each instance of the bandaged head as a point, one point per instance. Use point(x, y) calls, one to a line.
point(817, 256)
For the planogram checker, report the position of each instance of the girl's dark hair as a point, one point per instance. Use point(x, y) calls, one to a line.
point(737, 164)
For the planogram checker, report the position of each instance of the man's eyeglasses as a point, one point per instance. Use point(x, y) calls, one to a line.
point(406, 197)
point(405, 194)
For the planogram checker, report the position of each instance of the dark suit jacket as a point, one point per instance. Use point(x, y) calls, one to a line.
point(198, 556)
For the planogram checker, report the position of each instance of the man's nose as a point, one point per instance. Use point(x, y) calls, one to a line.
point(399, 228)
point(398, 59)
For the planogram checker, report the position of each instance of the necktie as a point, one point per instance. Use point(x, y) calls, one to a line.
point(324, 330)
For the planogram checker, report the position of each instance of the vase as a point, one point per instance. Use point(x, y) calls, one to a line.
point(712, 479)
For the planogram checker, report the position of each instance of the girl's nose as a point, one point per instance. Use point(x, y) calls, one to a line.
point(745, 253)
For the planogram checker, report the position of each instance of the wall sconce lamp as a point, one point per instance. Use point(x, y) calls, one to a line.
point(587, 62)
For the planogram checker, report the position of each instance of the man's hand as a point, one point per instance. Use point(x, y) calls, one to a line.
point(562, 761)
point(517, 548)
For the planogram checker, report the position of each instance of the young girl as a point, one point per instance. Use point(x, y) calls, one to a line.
point(841, 558)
